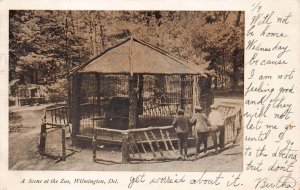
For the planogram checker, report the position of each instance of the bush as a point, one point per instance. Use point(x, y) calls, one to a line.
point(58, 92)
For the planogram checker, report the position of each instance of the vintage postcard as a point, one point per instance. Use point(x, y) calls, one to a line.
point(140, 94)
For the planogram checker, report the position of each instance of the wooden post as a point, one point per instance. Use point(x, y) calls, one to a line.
point(132, 117)
point(125, 148)
point(67, 115)
point(59, 114)
point(160, 83)
point(195, 93)
point(199, 90)
point(98, 91)
point(94, 144)
point(55, 114)
point(64, 115)
point(42, 143)
point(69, 97)
point(63, 144)
point(17, 100)
point(140, 94)
point(52, 118)
point(44, 116)
point(75, 120)
point(182, 91)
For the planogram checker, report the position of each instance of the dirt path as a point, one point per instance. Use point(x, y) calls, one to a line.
point(226, 161)
point(23, 151)
point(23, 144)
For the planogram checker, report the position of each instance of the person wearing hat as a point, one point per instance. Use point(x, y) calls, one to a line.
point(181, 125)
point(216, 119)
point(200, 125)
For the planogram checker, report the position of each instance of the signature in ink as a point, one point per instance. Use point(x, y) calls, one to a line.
point(282, 182)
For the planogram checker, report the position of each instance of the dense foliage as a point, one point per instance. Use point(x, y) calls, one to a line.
point(45, 45)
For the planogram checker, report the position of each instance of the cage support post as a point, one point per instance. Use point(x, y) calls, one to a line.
point(63, 144)
point(182, 91)
point(69, 79)
point(98, 91)
point(140, 94)
point(125, 148)
point(75, 112)
point(195, 94)
point(132, 102)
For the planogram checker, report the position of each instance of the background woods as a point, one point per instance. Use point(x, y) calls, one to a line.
point(45, 45)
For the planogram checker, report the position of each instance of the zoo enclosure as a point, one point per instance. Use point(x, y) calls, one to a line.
point(134, 85)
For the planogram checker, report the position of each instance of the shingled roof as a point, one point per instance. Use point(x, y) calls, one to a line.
point(135, 56)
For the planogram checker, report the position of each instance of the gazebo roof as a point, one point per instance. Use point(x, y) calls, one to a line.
point(135, 56)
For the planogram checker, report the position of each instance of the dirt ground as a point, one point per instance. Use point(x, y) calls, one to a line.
point(23, 139)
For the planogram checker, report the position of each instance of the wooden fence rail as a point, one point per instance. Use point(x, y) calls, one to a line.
point(144, 144)
point(159, 143)
point(57, 115)
point(54, 118)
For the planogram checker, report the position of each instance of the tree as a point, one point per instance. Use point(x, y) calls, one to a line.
point(45, 45)
point(44, 42)
point(222, 39)
point(238, 55)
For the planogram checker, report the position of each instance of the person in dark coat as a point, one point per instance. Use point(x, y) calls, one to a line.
point(181, 125)
point(201, 128)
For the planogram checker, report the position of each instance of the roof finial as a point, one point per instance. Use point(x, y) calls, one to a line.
point(132, 37)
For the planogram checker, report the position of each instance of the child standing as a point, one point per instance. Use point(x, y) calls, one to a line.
point(201, 128)
point(181, 125)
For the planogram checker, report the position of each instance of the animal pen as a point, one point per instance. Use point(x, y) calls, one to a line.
point(128, 96)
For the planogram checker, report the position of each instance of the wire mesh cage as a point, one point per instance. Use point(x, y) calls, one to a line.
point(104, 100)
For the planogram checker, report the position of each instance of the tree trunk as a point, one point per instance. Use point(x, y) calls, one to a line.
point(235, 72)
point(235, 61)
point(67, 44)
point(91, 41)
point(95, 40)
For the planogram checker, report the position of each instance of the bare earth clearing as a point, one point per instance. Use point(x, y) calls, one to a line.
point(25, 123)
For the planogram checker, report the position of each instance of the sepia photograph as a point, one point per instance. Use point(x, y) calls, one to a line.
point(126, 90)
